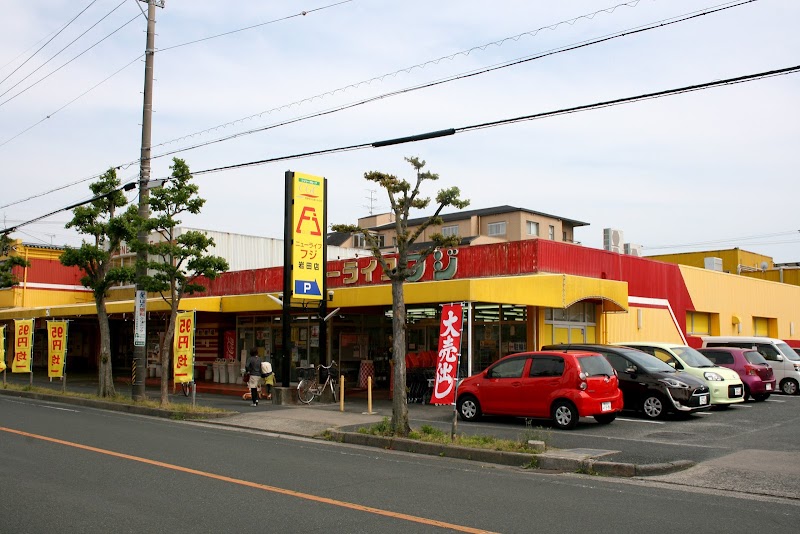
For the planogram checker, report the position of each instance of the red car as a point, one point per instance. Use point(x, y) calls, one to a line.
point(555, 385)
point(754, 370)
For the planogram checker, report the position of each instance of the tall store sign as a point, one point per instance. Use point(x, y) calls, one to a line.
point(444, 386)
point(183, 347)
point(23, 346)
point(308, 236)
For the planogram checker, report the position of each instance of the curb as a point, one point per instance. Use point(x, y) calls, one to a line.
point(114, 406)
point(513, 459)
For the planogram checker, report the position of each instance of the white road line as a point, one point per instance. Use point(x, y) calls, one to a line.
point(740, 405)
point(639, 421)
point(57, 408)
point(773, 400)
point(705, 413)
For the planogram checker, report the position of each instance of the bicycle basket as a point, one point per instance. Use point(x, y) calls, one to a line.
point(306, 373)
point(323, 374)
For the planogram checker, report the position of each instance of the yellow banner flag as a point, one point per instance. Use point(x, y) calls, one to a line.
point(2, 348)
point(56, 348)
point(23, 346)
point(183, 348)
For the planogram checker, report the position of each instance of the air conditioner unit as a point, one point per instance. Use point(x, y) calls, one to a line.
point(612, 240)
point(712, 264)
point(633, 250)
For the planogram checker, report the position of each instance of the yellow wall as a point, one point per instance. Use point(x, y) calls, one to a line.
point(789, 275)
point(657, 325)
point(731, 296)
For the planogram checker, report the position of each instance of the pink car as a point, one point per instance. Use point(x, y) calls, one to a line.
point(755, 372)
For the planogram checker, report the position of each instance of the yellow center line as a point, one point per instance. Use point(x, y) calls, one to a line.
point(264, 487)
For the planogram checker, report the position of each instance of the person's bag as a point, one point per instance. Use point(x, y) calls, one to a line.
point(246, 377)
point(266, 369)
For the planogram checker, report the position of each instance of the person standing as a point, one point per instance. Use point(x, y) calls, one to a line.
point(253, 368)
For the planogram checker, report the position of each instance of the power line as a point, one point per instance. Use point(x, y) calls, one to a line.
point(640, 29)
point(288, 17)
point(48, 41)
point(453, 131)
point(422, 65)
point(65, 64)
point(721, 241)
point(62, 49)
point(503, 122)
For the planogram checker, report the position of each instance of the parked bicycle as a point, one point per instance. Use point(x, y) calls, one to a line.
point(309, 387)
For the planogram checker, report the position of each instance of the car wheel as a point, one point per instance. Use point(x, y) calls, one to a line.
point(469, 409)
point(653, 407)
point(761, 397)
point(789, 386)
point(747, 394)
point(565, 415)
point(605, 418)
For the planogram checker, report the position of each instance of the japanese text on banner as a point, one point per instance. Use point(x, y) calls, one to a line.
point(56, 348)
point(23, 346)
point(183, 348)
point(444, 387)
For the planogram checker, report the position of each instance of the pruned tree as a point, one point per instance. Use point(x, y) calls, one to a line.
point(176, 261)
point(9, 260)
point(107, 228)
point(402, 198)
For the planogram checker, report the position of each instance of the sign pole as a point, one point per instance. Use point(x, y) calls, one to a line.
point(286, 316)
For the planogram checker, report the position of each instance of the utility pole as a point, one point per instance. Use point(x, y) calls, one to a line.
point(140, 332)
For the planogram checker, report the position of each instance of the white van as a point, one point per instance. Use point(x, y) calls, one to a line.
point(785, 362)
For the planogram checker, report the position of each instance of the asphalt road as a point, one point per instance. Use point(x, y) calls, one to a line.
point(71, 469)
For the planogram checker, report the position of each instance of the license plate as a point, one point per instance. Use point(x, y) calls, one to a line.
point(703, 399)
point(606, 406)
point(769, 387)
point(737, 392)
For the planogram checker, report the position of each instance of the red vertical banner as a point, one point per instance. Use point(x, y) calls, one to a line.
point(444, 387)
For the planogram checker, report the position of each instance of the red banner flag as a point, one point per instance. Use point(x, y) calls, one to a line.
point(444, 387)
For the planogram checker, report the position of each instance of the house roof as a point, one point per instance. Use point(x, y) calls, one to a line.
point(466, 214)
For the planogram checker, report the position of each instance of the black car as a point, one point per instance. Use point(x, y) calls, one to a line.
point(648, 384)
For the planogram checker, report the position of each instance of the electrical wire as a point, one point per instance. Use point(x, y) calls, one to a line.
point(288, 17)
point(636, 30)
point(62, 49)
point(728, 240)
point(406, 70)
point(462, 76)
point(453, 131)
point(48, 41)
point(37, 82)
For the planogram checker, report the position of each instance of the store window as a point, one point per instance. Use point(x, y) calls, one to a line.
point(576, 324)
point(499, 330)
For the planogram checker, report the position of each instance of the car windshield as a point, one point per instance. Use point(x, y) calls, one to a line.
point(754, 357)
point(595, 366)
point(647, 362)
point(691, 357)
point(788, 352)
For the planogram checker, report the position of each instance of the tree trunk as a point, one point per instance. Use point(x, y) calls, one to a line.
point(105, 375)
point(166, 351)
point(399, 398)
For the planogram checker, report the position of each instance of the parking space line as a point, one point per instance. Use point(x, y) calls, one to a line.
point(773, 400)
point(639, 421)
point(742, 405)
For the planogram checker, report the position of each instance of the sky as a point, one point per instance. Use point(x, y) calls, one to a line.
point(704, 170)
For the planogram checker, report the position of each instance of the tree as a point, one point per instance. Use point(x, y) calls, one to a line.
point(7, 276)
point(99, 219)
point(402, 198)
point(176, 261)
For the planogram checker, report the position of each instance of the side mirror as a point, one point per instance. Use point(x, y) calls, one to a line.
point(631, 370)
point(779, 357)
point(672, 364)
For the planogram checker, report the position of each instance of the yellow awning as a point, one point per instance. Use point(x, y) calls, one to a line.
point(546, 290)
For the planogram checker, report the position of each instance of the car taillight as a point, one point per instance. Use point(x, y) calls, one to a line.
point(583, 386)
point(750, 370)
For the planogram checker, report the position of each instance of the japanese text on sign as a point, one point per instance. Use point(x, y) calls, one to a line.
point(444, 386)
point(183, 347)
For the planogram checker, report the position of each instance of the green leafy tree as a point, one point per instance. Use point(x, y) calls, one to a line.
point(11, 260)
point(403, 197)
point(107, 226)
point(176, 261)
